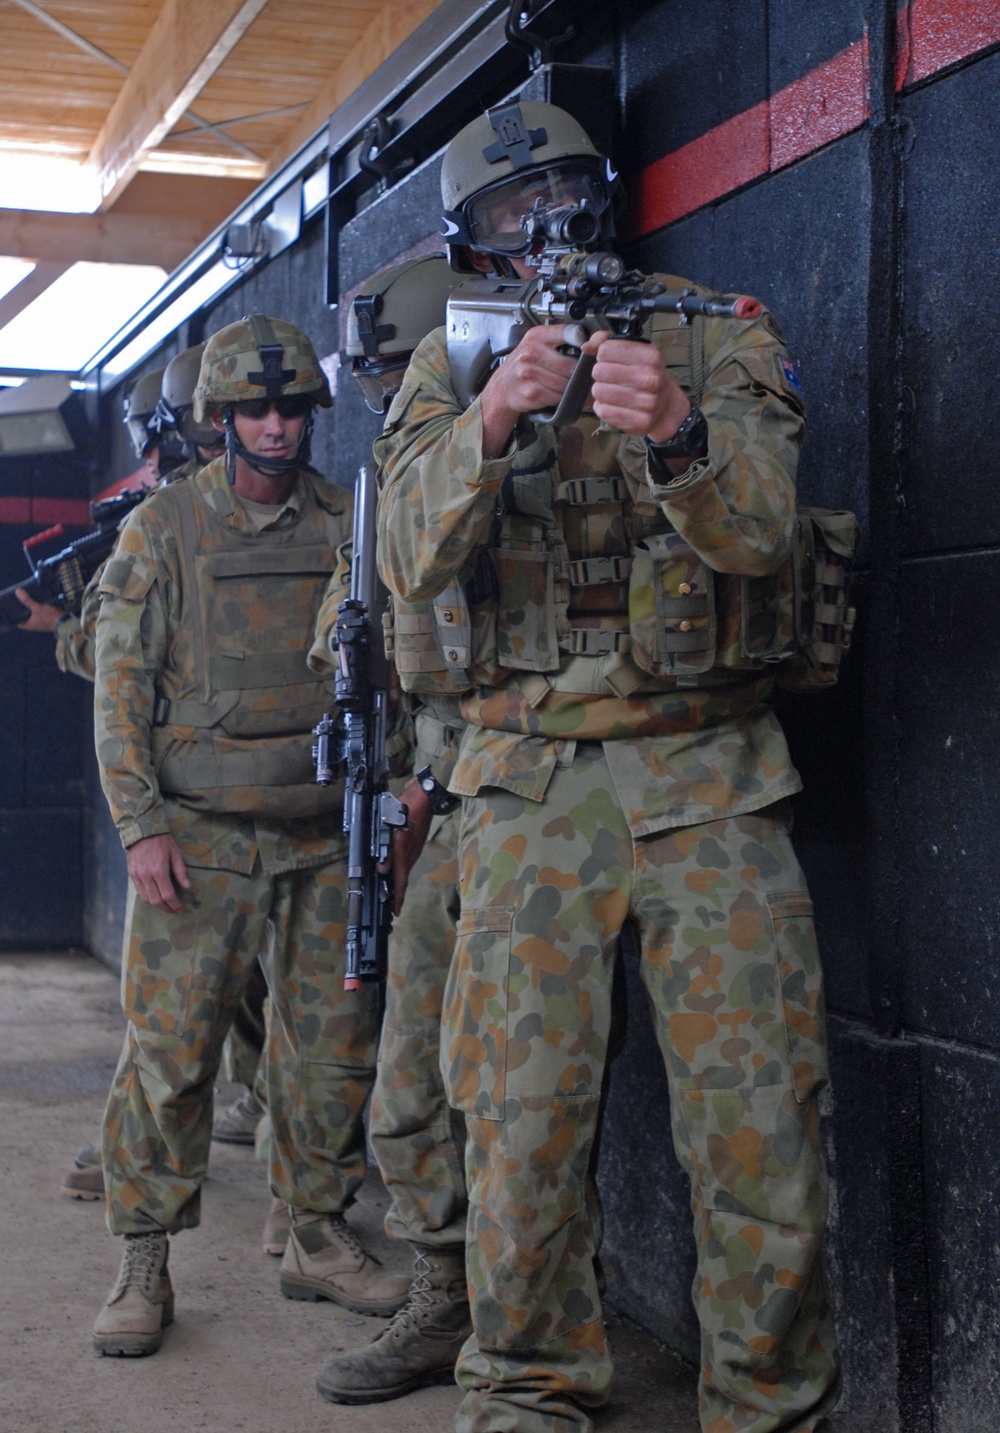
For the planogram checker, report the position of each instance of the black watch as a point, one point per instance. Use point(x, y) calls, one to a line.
point(691, 437)
point(440, 798)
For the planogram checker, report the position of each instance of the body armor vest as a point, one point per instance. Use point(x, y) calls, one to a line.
point(234, 728)
point(586, 587)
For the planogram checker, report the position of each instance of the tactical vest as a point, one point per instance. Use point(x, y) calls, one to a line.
point(240, 736)
point(586, 587)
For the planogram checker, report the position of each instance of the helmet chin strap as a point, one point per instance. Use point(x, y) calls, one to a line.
point(267, 467)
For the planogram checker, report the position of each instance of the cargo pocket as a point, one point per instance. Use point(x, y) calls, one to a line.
point(800, 990)
point(474, 1019)
point(671, 607)
point(526, 630)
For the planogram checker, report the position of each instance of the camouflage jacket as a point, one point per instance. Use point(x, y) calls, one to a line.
point(684, 747)
point(150, 675)
point(75, 635)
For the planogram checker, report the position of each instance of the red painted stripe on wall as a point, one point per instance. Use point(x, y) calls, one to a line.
point(826, 104)
point(15, 509)
point(46, 512)
point(938, 33)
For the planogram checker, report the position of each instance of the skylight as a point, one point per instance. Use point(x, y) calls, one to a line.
point(76, 315)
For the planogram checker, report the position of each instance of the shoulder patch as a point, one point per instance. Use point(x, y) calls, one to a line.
point(791, 376)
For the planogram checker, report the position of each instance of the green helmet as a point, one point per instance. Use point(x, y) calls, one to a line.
point(176, 406)
point(514, 158)
point(140, 406)
point(390, 314)
point(257, 357)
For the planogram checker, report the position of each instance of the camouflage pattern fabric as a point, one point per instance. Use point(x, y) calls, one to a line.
point(75, 645)
point(232, 368)
point(182, 979)
point(243, 1051)
point(416, 1137)
point(600, 790)
point(184, 975)
point(146, 647)
point(730, 965)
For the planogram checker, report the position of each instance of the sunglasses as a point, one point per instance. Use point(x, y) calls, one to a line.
point(292, 405)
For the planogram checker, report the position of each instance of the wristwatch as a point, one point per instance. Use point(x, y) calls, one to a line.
point(691, 438)
point(440, 798)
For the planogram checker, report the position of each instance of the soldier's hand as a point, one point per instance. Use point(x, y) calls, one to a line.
point(156, 868)
point(632, 391)
point(44, 617)
point(533, 376)
point(408, 842)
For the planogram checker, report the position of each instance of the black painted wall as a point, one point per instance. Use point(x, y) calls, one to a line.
point(879, 254)
point(43, 729)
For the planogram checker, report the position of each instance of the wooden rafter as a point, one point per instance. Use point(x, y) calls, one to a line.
point(35, 282)
point(98, 238)
point(390, 27)
point(185, 47)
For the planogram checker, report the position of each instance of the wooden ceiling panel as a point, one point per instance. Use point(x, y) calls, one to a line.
point(155, 72)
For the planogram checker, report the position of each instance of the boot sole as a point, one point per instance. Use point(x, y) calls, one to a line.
point(385, 1395)
point(312, 1292)
point(234, 1138)
point(87, 1195)
point(134, 1345)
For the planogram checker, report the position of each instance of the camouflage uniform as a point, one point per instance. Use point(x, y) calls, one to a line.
point(171, 719)
point(622, 764)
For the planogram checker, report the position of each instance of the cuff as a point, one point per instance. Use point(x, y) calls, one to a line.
point(155, 824)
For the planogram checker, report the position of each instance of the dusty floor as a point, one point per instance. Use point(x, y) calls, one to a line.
point(239, 1357)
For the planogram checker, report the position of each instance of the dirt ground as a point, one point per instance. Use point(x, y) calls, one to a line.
point(239, 1356)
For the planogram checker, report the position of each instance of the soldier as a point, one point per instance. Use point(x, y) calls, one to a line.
point(237, 1123)
point(204, 712)
point(417, 1140)
point(75, 634)
point(621, 763)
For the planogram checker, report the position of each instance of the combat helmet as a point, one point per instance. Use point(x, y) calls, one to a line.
point(175, 410)
point(390, 314)
point(510, 159)
point(140, 407)
point(265, 360)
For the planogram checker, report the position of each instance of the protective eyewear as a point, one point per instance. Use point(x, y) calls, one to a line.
point(291, 405)
point(494, 217)
point(379, 381)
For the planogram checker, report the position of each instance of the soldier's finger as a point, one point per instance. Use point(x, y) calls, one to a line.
point(178, 869)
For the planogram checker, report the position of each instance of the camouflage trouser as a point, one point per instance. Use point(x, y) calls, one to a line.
point(417, 1138)
point(242, 1054)
point(730, 964)
point(182, 979)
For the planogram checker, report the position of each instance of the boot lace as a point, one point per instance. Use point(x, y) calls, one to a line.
point(346, 1235)
point(139, 1264)
point(420, 1299)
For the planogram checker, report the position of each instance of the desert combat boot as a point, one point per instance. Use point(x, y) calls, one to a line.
point(324, 1260)
point(141, 1304)
point(421, 1344)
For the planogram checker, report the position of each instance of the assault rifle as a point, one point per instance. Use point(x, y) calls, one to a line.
point(371, 812)
point(61, 578)
point(488, 317)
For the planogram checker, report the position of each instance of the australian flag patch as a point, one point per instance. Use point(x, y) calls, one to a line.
point(792, 380)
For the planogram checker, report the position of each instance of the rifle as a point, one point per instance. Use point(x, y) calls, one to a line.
point(488, 317)
point(61, 578)
point(371, 812)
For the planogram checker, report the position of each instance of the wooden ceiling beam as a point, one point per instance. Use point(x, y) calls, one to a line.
point(40, 278)
point(188, 42)
point(391, 26)
point(99, 238)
